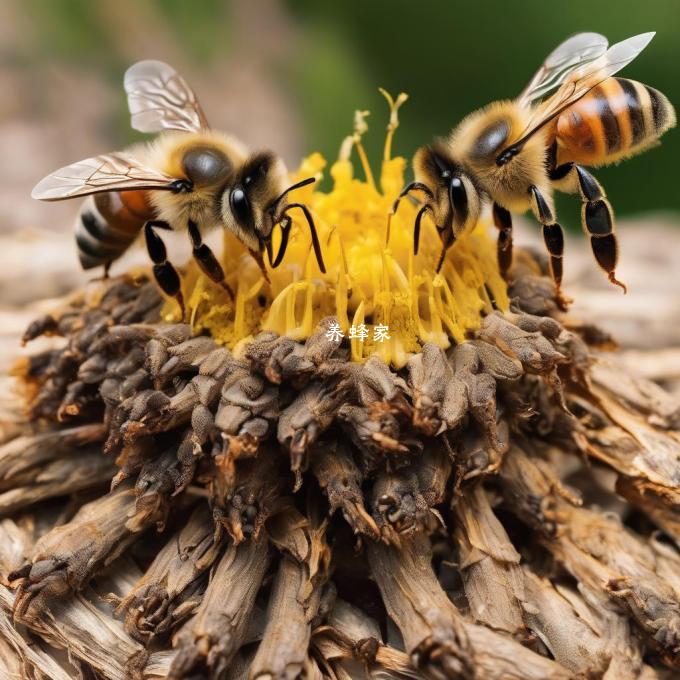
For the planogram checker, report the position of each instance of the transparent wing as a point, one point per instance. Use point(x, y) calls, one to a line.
point(160, 99)
point(108, 172)
point(573, 53)
point(580, 80)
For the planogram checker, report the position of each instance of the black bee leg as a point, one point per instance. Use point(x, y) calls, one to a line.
point(165, 274)
point(597, 218)
point(206, 259)
point(553, 237)
point(503, 221)
point(107, 268)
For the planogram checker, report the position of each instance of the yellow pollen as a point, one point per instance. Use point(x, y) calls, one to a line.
point(373, 277)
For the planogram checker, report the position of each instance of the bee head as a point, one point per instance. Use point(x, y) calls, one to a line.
point(246, 196)
point(449, 183)
point(254, 204)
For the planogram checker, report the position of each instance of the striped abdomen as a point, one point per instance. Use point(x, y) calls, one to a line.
point(617, 118)
point(108, 224)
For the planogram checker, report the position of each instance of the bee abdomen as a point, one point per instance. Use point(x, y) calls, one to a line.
point(649, 111)
point(107, 225)
point(617, 118)
point(663, 112)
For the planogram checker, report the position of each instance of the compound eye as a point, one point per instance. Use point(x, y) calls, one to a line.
point(491, 140)
point(459, 200)
point(240, 206)
point(204, 166)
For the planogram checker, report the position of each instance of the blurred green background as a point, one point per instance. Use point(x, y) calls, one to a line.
point(289, 74)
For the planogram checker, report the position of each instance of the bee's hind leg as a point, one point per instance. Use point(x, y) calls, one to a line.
point(164, 272)
point(553, 236)
point(503, 221)
point(206, 259)
point(597, 217)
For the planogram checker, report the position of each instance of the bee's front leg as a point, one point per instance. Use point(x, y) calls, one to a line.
point(206, 259)
point(164, 272)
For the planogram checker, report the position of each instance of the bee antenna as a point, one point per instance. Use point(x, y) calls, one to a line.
point(286, 224)
point(297, 185)
point(312, 229)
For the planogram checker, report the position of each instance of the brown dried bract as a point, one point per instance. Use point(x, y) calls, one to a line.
point(304, 515)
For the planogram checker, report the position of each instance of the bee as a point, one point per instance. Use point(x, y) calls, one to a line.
point(513, 154)
point(189, 177)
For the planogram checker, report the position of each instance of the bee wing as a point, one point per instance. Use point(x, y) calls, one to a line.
point(573, 53)
point(160, 99)
point(584, 77)
point(108, 172)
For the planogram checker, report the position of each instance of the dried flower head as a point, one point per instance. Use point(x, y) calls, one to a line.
point(256, 494)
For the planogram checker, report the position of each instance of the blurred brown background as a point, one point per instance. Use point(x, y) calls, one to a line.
point(288, 74)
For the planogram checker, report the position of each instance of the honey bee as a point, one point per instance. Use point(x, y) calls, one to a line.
point(190, 177)
point(512, 154)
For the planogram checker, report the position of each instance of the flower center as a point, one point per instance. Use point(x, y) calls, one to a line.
point(387, 300)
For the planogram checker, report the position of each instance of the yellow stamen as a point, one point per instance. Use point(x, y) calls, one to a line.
point(394, 119)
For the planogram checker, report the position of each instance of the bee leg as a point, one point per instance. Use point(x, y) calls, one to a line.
point(597, 218)
point(553, 236)
point(206, 259)
point(503, 221)
point(105, 273)
point(164, 272)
